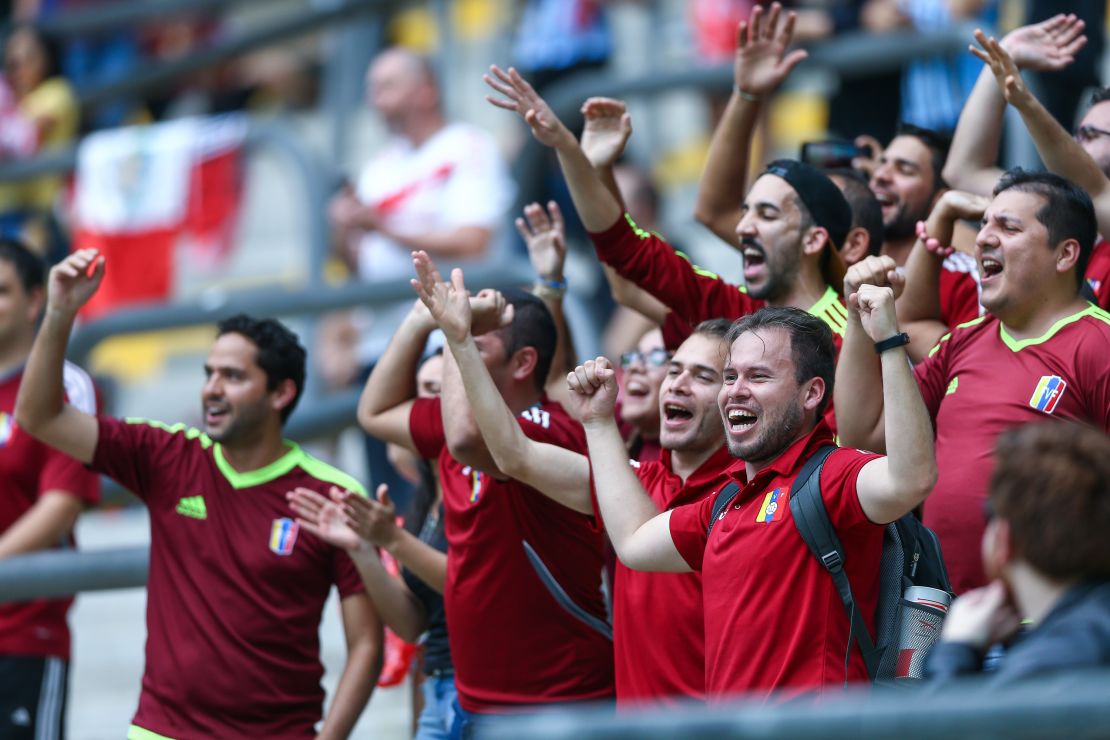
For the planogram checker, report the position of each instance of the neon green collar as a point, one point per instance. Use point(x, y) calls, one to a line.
point(291, 459)
point(1017, 345)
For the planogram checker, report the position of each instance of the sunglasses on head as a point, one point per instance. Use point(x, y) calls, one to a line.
point(651, 358)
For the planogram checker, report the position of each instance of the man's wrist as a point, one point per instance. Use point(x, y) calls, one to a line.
point(894, 340)
point(745, 95)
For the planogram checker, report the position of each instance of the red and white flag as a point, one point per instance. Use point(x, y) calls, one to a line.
point(141, 191)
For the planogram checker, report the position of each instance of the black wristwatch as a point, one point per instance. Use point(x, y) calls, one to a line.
point(896, 341)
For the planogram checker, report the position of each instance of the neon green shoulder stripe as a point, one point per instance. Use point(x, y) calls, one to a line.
point(642, 233)
point(188, 431)
point(320, 469)
point(973, 322)
point(1016, 345)
point(1100, 314)
point(134, 732)
point(830, 310)
point(946, 337)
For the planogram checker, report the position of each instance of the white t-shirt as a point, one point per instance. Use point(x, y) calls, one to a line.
point(456, 178)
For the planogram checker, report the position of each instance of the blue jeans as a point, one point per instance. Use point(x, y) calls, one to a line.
point(439, 708)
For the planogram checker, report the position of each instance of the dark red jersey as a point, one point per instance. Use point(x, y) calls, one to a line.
point(658, 618)
point(28, 469)
point(235, 589)
point(525, 613)
point(1098, 273)
point(978, 382)
point(773, 618)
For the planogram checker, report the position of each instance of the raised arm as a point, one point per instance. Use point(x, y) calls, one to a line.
point(597, 207)
point(544, 235)
point(640, 534)
point(919, 306)
point(386, 401)
point(40, 408)
point(859, 409)
point(556, 472)
point(1047, 46)
point(759, 69)
point(608, 127)
point(894, 485)
point(1061, 153)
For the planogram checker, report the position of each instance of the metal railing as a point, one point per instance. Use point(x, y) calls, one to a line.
point(53, 573)
point(1073, 705)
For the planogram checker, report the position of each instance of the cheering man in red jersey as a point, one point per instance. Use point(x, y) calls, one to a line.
point(235, 589)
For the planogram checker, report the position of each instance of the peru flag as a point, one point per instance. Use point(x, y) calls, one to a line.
point(142, 190)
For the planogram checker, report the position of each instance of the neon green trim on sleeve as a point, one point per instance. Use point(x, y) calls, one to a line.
point(134, 732)
point(698, 270)
point(942, 340)
point(1017, 345)
point(973, 322)
point(179, 428)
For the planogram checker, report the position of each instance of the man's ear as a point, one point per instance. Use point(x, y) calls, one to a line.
point(997, 547)
point(856, 246)
point(523, 363)
point(283, 395)
point(815, 240)
point(813, 391)
point(1067, 255)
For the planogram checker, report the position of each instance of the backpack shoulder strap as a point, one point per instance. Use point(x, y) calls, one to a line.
point(724, 498)
point(812, 520)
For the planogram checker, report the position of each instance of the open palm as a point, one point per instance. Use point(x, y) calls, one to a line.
point(1047, 46)
point(448, 303)
point(324, 517)
point(607, 129)
point(521, 97)
point(761, 62)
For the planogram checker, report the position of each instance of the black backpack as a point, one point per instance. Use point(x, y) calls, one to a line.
point(911, 557)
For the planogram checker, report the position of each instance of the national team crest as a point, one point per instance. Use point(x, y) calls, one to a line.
point(7, 428)
point(283, 536)
point(773, 504)
point(475, 483)
point(1048, 393)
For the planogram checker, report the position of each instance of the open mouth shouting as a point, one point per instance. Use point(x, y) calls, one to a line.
point(755, 259)
point(989, 268)
point(739, 421)
point(676, 414)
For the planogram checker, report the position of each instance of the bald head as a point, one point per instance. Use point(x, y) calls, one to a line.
point(402, 88)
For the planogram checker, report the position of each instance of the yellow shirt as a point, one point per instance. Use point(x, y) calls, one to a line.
point(53, 106)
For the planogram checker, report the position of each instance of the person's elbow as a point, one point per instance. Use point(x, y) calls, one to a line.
point(466, 445)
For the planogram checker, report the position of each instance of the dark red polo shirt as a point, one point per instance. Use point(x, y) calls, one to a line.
point(773, 619)
point(658, 619)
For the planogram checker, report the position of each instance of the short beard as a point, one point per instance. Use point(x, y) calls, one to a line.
point(777, 434)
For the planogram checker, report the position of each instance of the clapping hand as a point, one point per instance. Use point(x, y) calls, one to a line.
point(1047, 46)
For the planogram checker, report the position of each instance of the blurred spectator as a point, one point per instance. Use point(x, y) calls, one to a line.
point(1047, 555)
point(42, 492)
point(556, 38)
point(39, 112)
point(437, 186)
point(934, 89)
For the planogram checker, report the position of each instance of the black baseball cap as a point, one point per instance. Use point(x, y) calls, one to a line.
point(827, 205)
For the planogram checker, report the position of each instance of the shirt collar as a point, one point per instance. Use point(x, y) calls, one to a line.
point(792, 458)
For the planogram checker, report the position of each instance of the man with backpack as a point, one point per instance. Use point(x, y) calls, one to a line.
point(774, 619)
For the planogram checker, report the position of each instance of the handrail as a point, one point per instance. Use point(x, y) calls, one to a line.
point(1072, 705)
point(312, 301)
